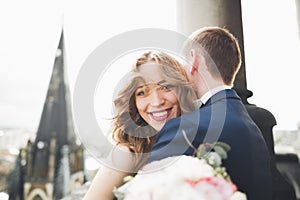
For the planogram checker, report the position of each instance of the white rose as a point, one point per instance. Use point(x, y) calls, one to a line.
point(192, 168)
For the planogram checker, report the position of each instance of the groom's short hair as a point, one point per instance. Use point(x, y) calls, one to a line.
point(223, 49)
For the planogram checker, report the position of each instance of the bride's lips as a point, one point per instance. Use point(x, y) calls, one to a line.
point(160, 115)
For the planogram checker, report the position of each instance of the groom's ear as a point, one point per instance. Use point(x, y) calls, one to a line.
point(195, 61)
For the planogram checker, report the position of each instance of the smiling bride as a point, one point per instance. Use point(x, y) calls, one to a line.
point(158, 90)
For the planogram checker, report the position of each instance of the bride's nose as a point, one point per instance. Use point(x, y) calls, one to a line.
point(156, 98)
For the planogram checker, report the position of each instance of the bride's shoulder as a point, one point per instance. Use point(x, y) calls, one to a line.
point(122, 152)
point(123, 148)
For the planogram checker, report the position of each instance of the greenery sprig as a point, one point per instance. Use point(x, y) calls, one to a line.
point(214, 154)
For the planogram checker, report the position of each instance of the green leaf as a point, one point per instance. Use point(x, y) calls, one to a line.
point(225, 146)
point(220, 150)
point(127, 179)
point(118, 194)
point(214, 159)
point(201, 151)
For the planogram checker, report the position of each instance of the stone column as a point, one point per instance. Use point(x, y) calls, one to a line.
point(194, 14)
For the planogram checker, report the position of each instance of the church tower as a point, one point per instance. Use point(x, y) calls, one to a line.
point(53, 165)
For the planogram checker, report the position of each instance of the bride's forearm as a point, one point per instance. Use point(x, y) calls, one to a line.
point(103, 184)
point(110, 176)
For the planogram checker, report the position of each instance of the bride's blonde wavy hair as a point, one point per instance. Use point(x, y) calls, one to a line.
point(129, 128)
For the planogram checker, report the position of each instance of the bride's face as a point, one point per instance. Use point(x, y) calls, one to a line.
point(156, 101)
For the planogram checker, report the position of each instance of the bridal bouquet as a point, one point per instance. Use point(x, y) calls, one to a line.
point(198, 177)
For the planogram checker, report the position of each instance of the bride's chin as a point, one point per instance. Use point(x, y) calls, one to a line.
point(158, 126)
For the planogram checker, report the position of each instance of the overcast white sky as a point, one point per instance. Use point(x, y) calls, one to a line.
point(30, 32)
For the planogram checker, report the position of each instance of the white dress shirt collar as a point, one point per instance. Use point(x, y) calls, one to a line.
point(209, 94)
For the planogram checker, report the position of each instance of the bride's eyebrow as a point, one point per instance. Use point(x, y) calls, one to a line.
point(160, 82)
point(141, 86)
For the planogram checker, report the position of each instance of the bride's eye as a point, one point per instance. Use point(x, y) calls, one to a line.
point(167, 87)
point(140, 93)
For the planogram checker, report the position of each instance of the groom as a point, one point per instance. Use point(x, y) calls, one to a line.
point(214, 60)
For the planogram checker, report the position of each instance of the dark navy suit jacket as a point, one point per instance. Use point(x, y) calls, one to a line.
point(223, 118)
